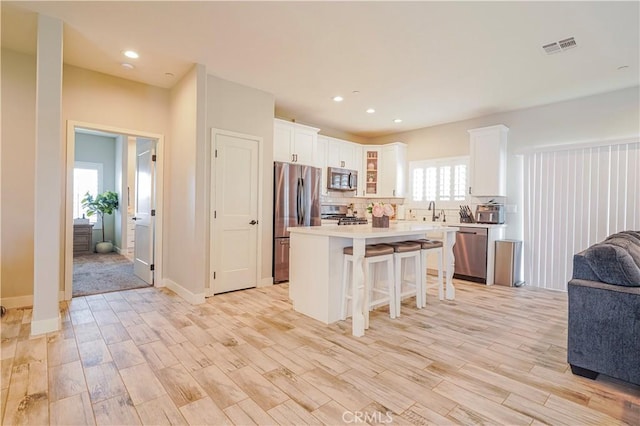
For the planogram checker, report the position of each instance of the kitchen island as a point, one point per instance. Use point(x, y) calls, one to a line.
point(316, 259)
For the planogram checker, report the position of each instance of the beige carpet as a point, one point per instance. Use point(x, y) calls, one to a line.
point(103, 273)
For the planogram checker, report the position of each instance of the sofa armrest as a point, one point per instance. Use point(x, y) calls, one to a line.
point(604, 329)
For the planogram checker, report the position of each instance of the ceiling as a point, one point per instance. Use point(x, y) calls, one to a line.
point(427, 63)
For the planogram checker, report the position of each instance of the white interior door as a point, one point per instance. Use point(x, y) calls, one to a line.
point(234, 238)
point(144, 205)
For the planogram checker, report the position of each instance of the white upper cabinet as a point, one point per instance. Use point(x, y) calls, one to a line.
point(294, 143)
point(393, 168)
point(384, 168)
point(342, 154)
point(332, 152)
point(321, 161)
point(488, 161)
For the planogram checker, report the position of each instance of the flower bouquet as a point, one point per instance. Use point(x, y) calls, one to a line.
point(380, 213)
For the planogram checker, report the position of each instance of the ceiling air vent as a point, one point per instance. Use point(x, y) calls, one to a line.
point(559, 46)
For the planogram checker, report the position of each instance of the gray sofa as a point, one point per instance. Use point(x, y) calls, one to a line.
point(604, 309)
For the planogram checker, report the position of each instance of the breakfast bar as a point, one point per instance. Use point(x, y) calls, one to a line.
point(316, 255)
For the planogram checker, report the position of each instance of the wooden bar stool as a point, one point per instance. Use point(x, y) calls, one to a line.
point(431, 247)
point(373, 295)
point(402, 252)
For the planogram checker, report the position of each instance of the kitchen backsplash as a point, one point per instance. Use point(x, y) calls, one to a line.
point(451, 214)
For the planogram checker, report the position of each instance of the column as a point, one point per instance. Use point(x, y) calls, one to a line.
point(49, 179)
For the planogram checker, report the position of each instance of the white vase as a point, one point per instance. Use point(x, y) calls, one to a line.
point(104, 247)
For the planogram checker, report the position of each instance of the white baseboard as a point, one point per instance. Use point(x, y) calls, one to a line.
point(23, 301)
point(265, 282)
point(17, 302)
point(45, 326)
point(187, 295)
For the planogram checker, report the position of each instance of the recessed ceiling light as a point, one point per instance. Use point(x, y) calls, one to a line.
point(397, 120)
point(131, 54)
point(371, 110)
point(127, 65)
point(356, 92)
point(338, 98)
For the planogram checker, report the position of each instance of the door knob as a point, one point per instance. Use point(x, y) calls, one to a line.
point(134, 218)
point(253, 222)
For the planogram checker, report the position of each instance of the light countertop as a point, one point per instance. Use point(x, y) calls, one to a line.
point(397, 229)
point(461, 225)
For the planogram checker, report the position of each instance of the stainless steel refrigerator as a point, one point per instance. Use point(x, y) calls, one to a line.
point(296, 202)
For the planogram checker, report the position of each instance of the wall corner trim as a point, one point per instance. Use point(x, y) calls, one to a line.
point(193, 298)
point(266, 282)
point(46, 325)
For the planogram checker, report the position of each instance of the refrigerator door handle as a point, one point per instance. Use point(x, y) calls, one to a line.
point(302, 211)
point(298, 202)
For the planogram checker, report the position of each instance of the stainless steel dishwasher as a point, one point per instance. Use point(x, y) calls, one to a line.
point(470, 253)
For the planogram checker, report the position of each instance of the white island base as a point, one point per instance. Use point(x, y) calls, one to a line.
point(316, 260)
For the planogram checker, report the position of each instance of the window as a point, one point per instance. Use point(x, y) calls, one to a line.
point(444, 179)
point(87, 177)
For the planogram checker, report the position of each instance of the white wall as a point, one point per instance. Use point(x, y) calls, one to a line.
point(87, 96)
point(613, 115)
point(184, 269)
point(18, 172)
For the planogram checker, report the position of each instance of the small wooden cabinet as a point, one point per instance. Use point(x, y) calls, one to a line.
point(82, 238)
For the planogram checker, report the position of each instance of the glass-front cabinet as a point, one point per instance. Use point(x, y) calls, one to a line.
point(372, 163)
point(384, 170)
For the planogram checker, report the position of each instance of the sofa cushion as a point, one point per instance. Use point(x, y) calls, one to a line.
point(616, 260)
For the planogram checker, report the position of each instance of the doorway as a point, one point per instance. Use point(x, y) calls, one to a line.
point(99, 159)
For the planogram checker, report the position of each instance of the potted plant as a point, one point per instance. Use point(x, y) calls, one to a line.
point(381, 213)
point(102, 204)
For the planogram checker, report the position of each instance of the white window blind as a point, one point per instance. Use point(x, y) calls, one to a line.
point(573, 199)
point(439, 180)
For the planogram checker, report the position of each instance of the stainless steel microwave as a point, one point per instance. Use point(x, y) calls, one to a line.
point(342, 179)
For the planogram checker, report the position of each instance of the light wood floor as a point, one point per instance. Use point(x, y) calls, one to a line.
point(493, 356)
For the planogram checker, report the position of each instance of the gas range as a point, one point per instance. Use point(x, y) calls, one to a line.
point(345, 220)
point(338, 215)
point(353, 221)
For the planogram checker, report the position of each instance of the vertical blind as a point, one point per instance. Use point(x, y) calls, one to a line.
point(574, 198)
